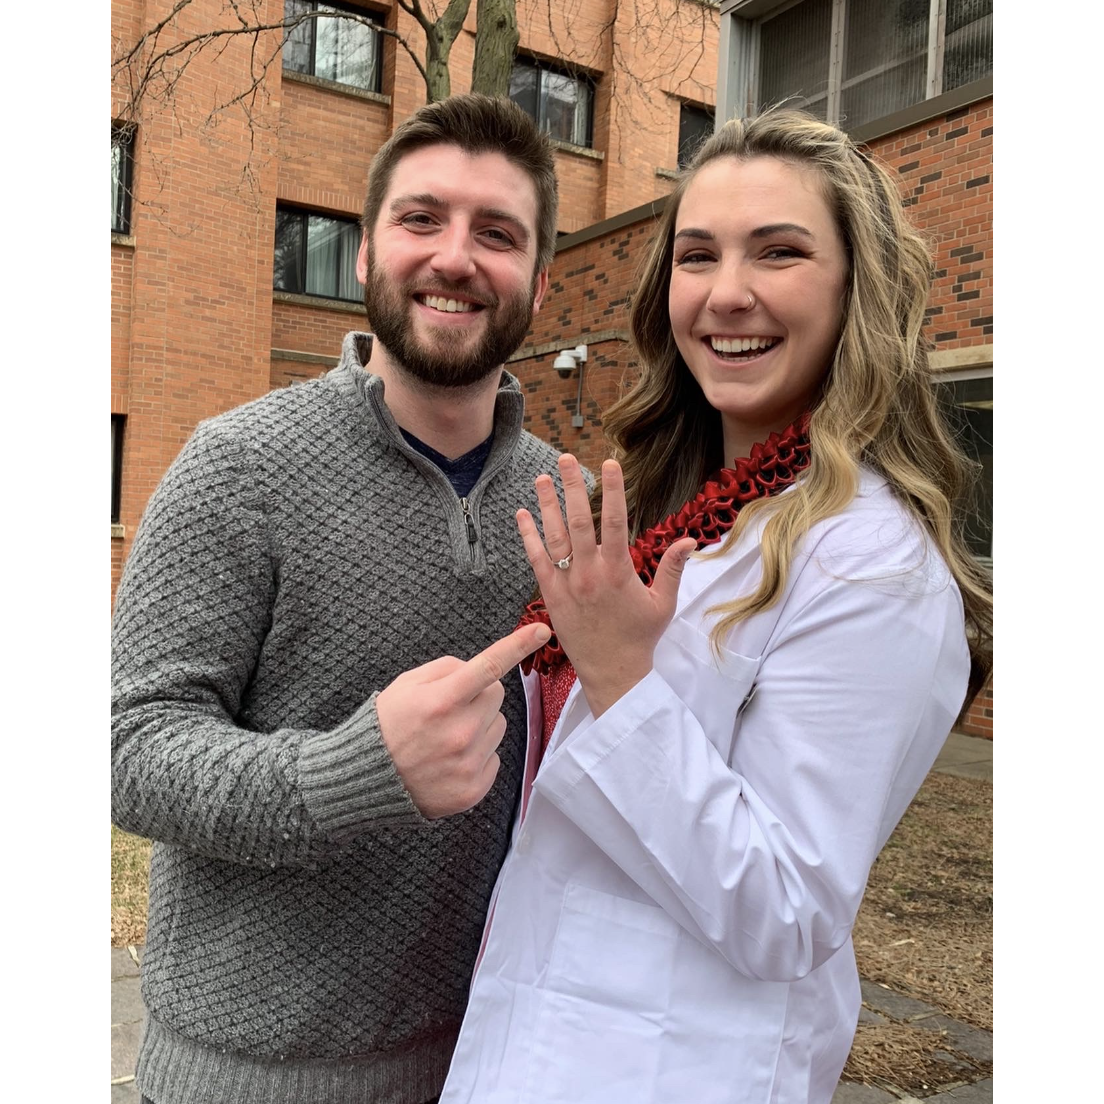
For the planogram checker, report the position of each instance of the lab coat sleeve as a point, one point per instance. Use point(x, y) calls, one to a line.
point(763, 853)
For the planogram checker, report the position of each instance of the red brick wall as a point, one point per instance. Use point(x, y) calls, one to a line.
point(327, 141)
point(979, 718)
point(945, 168)
point(196, 338)
point(194, 321)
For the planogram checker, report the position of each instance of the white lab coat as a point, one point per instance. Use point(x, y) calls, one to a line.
point(673, 921)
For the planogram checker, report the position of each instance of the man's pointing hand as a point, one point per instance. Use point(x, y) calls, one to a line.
point(442, 723)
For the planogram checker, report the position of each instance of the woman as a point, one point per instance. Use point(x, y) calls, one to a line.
point(731, 746)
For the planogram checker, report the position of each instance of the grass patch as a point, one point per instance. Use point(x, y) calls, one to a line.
point(925, 929)
point(129, 887)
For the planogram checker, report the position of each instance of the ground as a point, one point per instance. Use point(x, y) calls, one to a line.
point(925, 930)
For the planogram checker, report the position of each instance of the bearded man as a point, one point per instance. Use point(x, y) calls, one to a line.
point(330, 791)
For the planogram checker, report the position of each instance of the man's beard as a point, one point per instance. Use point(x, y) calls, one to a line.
point(447, 362)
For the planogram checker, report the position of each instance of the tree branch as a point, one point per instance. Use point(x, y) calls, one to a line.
point(155, 67)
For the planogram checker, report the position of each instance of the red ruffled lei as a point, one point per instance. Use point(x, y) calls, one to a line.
point(772, 467)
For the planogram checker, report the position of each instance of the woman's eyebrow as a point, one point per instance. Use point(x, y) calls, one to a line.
point(781, 228)
point(695, 233)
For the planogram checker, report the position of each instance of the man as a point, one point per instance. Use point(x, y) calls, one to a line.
point(330, 798)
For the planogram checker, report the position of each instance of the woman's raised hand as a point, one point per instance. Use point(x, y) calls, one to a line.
point(606, 619)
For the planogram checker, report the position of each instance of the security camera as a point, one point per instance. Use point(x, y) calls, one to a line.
point(564, 364)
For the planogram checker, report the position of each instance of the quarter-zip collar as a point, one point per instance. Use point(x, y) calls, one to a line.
point(351, 375)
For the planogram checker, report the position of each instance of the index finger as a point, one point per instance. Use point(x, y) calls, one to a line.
point(498, 660)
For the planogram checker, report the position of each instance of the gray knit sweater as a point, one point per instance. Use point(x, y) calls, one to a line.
point(311, 935)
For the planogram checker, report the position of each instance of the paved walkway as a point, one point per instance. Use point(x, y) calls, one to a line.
point(964, 756)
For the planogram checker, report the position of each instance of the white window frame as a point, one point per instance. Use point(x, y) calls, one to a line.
point(738, 62)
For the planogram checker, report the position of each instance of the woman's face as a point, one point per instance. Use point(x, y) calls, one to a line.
point(756, 297)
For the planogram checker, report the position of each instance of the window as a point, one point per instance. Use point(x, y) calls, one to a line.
point(853, 61)
point(118, 421)
point(338, 49)
point(316, 255)
point(122, 162)
point(695, 127)
point(968, 405)
point(562, 105)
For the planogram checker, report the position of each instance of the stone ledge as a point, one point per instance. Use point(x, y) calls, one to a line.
point(123, 239)
point(579, 151)
point(336, 86)
point(957, 360)
point(302, 358)
point(319, 302)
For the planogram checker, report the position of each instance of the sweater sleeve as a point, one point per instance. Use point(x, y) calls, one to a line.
point(191, 616)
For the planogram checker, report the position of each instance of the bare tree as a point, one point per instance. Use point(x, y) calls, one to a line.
point(147, 71)
point(496, 40)
point(643, 46)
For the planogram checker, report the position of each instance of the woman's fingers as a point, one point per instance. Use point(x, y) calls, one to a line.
point(615, 514)
point(555, 532)
point(580, 527)
point(534, 548)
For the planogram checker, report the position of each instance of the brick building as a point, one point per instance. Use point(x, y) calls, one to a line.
point(233, 241)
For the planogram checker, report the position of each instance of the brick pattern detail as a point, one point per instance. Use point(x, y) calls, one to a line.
point(945, 168)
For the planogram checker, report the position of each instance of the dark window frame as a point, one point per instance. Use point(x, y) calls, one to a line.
point(688, 145)
point(569, 73)
point(118, 431)
point(305, 214)
point(368, 13)
point(122, 138)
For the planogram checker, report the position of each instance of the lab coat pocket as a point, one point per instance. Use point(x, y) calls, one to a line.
point(604, 1002)
point(717, 686)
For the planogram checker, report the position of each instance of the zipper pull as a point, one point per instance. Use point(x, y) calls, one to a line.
point(473, 536)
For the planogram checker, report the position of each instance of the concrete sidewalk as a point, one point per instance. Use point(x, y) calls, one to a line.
point(964, 756)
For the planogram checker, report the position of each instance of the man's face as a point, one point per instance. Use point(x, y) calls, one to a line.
point(449, 270)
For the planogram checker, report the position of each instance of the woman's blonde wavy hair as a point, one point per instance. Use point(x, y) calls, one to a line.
point(876, 405)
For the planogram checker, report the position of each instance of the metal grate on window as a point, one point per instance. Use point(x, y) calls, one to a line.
point(794, 56)
point(885, 58)
point(853, 61)
point(968, 42)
